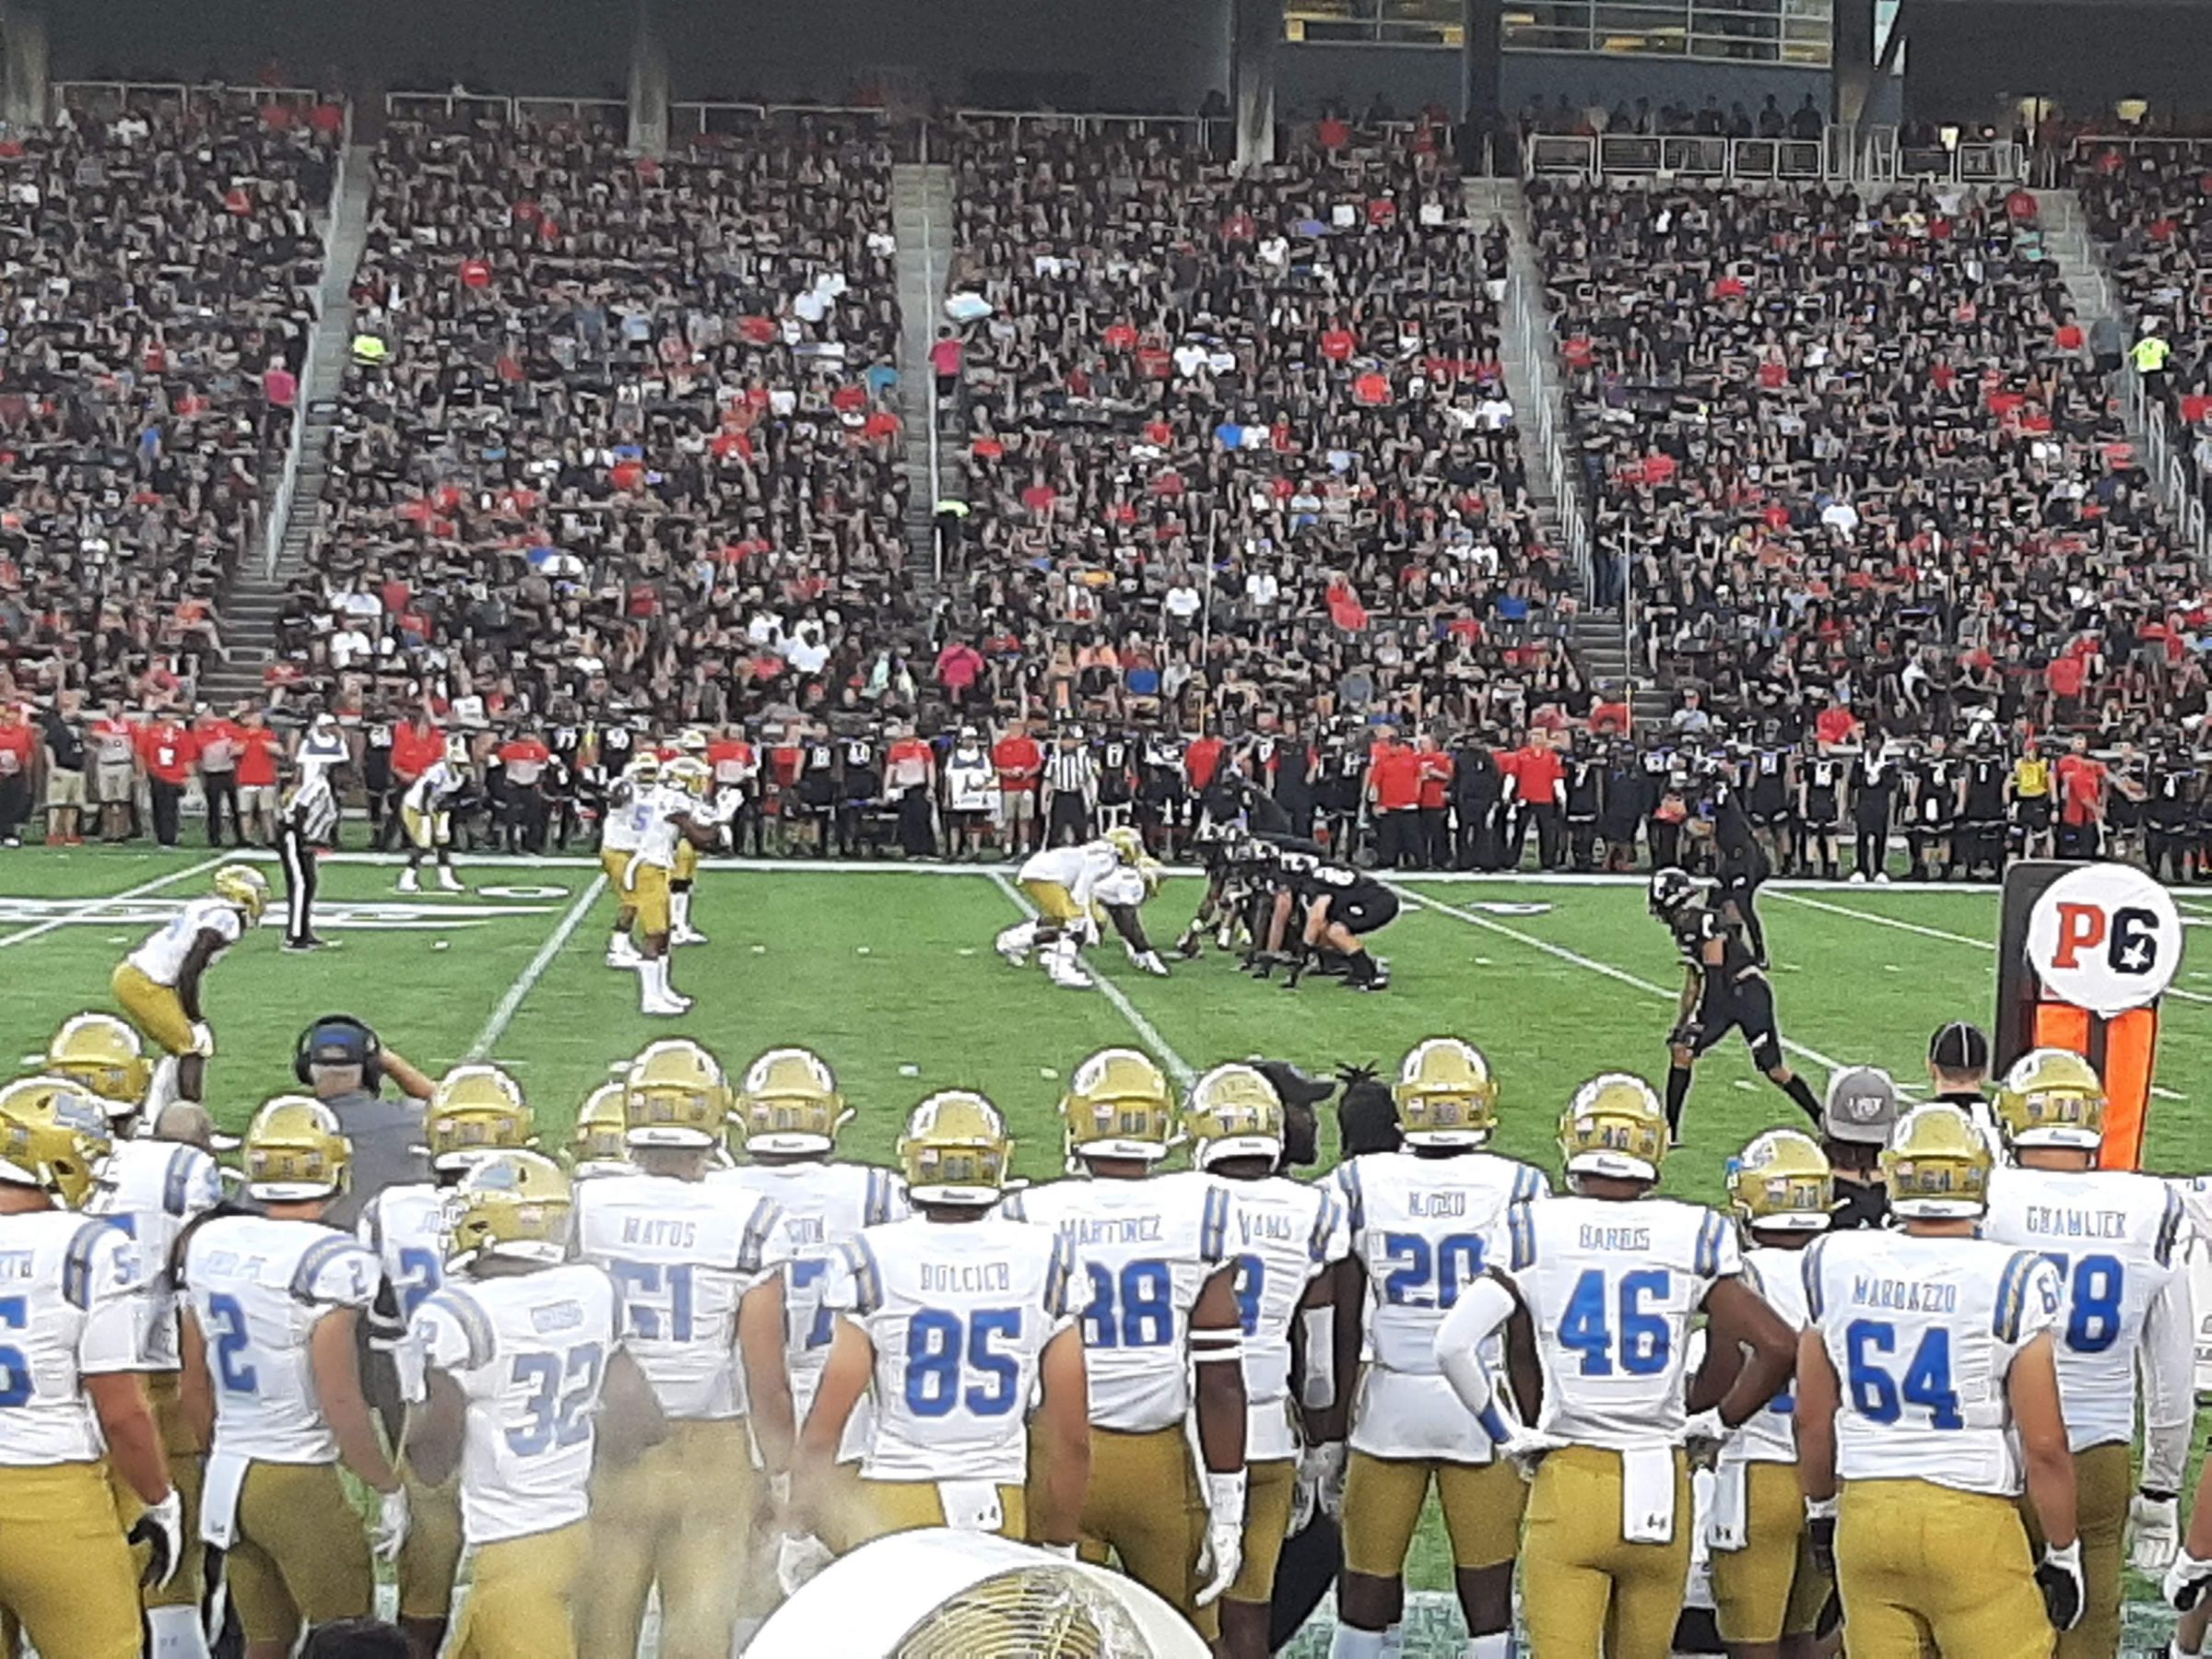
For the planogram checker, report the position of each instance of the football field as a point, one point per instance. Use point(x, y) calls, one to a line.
point(888, 971)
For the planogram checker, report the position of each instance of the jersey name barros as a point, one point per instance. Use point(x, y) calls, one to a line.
point(161, 956)
point(68, 1311)
point(1281, 1233)
point(151, 1189)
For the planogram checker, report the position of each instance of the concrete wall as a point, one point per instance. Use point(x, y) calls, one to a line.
point(1544, 76)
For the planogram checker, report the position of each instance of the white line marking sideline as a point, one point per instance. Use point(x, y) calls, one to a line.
point(1147, 1032)
point(496, 1027)
point(140, 891)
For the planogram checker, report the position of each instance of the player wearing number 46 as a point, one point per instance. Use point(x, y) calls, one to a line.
point(1162, 1302)
point(2126, 1320)
point(1927, 1386)
point(523, 1373)
point(1594, 1292)
point(272, 1387)
point(698, 1266)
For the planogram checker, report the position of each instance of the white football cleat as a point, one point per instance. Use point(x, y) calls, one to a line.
point(685, 935)
point(1881, 878)
point(1858, 879)
point(1012, 946)
point(449, 882)
point(628, 961)
point(409, 882)
point(1067, 976)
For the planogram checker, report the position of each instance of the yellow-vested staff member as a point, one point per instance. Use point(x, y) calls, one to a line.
point(524, 1370)
point(158, 984)
point(1927, 1385)
point(68, 1352)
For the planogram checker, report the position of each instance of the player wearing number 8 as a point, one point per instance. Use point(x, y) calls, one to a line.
point(2126, 1317)
point(1927, 1387)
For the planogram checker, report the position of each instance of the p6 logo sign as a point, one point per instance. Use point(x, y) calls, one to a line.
point(2105, 937)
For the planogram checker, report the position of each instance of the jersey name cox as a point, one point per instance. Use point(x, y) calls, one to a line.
point(2075, 1223)
point(1904, 1296)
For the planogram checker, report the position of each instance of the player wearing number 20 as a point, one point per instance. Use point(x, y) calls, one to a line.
point(1926, 1383)
point(698, 1267)
point(1155, 1251)
point(2110, 1233)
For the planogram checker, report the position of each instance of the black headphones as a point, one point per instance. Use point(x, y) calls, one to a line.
point(339, 1028)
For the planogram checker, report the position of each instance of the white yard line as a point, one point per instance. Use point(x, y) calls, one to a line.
point(501, 1017)
point(25, 936)
point(1147, 1032)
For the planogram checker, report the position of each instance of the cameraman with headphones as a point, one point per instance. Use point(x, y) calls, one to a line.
point(344, 1065)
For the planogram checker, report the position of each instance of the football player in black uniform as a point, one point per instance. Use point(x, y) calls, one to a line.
point(1820, 805)
point(1335, 908)
point(1978, 842)
point(2172, 789)
point(1740, 863)
point(1117, 754)
point(376, 782)
point(1629, 799)
point(1343, 786)
point(1932, 809)
point(1768, 792)
point(817, 787)
point(1585, 802)
point(1476, 788)
point(1874, 782)
point(859, 793)
point(1722, 991)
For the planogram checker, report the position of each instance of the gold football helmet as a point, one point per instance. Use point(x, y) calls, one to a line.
point(1781, 1183)
point(1615, 1126)
point(692, 742)
point(1119, 1105)
point(52, 1136)
point(1128, 844)
point(789, 1104)
point(245, 887)
point(473, 1109)
point(1936, 1165)
point(1233, 1111)
point(2052, 1097)
point(644, 770)
point(690, 774)
point(1445, 1095)
point(510, 1203)
point(104, 1054)
point(955, 1150)
point(675, 1095)
point(596, 1144)
point(295, 1152)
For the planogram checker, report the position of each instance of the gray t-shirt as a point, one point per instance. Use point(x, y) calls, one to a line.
point(387, 1137)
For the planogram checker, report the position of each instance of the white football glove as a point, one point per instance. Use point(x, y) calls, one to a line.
point(1705, 1433)
point(391, 1529)
point(799, 1556)
point(1320, 1484)
point(1524, 1448)
point(2154, 1526)
point(203, 1040)
point(1224, 1533)
point(2187, 1582)
point(162, 1525)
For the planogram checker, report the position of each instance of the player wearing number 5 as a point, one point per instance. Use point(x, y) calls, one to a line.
point(697, 1268)
point(2125, 1320)
point(524, 1374)
point(1418, 1221)
point(272, 1386)
point(1162, 1291)
point(1927, 1386)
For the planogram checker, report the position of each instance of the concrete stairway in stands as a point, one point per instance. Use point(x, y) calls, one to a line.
point(922, 222)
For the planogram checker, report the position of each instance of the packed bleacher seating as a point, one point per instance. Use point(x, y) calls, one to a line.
point(158, 265)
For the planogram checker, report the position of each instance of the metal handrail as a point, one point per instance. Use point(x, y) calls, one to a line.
point(1870, 155)
point(182, 91)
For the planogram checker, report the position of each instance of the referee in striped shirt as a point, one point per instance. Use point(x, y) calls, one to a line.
point(1071, 789)
point(307, 819)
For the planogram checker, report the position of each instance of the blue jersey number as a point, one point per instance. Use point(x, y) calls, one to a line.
point(806, 1273)
point(15, 1370)
point(1428, 1275)
point(1133, 1309)
point(2094, 1288)
point(555, 1420)
point(1250, 1285)
point(420, 1272)
point(1881, 1396)
point(1617, 1334)
point(231, 1343)
point(950, 1361)
point(642, 1285)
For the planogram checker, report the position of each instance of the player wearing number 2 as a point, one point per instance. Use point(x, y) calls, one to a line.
point(2112, 1235)
point(1162, 1291)
point(697, 1266)
point(1928, 1386)
point(1417, 1219)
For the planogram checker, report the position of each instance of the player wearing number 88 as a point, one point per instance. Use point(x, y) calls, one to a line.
point(2125, 1317)
point(1419, 1219)
point(1928, 1388)
point(1155, 1252)
point(1594, 1292)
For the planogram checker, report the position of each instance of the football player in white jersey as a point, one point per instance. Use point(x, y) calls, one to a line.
point(158, 985)
point(1419, 1219)
point(1286, 1235)
point(597, 1145)
point(1060, 884)
point(1768, 1591)
point(70, 1347)
point(522, 1373)
point(789, 1113)
point(958, 1318)
point(272, 1384)
point(697, 1266)
point(1595, 1292)
point(426, 811)
point(625, 815)
point(677, 819)
point(2111, 1234)
point(1162, 1292)
point(473, 1111)
point(1927, 1386)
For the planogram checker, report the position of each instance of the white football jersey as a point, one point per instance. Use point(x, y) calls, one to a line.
point(1611, 1288)
point(630, 813)
point(2196, 1267)
point(958, 1314)
point(1078, 869)
point(529, 1353)
point(161, 956)
point(68, 1311)
point(1146, 1247)
point(258, 1287)
point(672, 808)
point(682, 1255)
point(2113, 1236)
point(1770, 1434)
point(151, 1189)
point(404, 1226)
point(435, 789)
point(1281, 1233)
point(1420, 1227)
point(1922, 1333)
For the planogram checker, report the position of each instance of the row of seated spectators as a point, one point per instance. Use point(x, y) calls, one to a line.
point(157, 269)
point(1855, 442)
point(604, 409)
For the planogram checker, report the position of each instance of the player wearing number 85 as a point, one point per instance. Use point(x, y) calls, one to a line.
point(2126, 1317)
point(1927, 1386)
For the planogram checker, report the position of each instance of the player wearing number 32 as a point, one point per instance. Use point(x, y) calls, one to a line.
point(1927, 1385)
point(1595, 1292)
point(1162, 1292)
point(2126, 1318)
